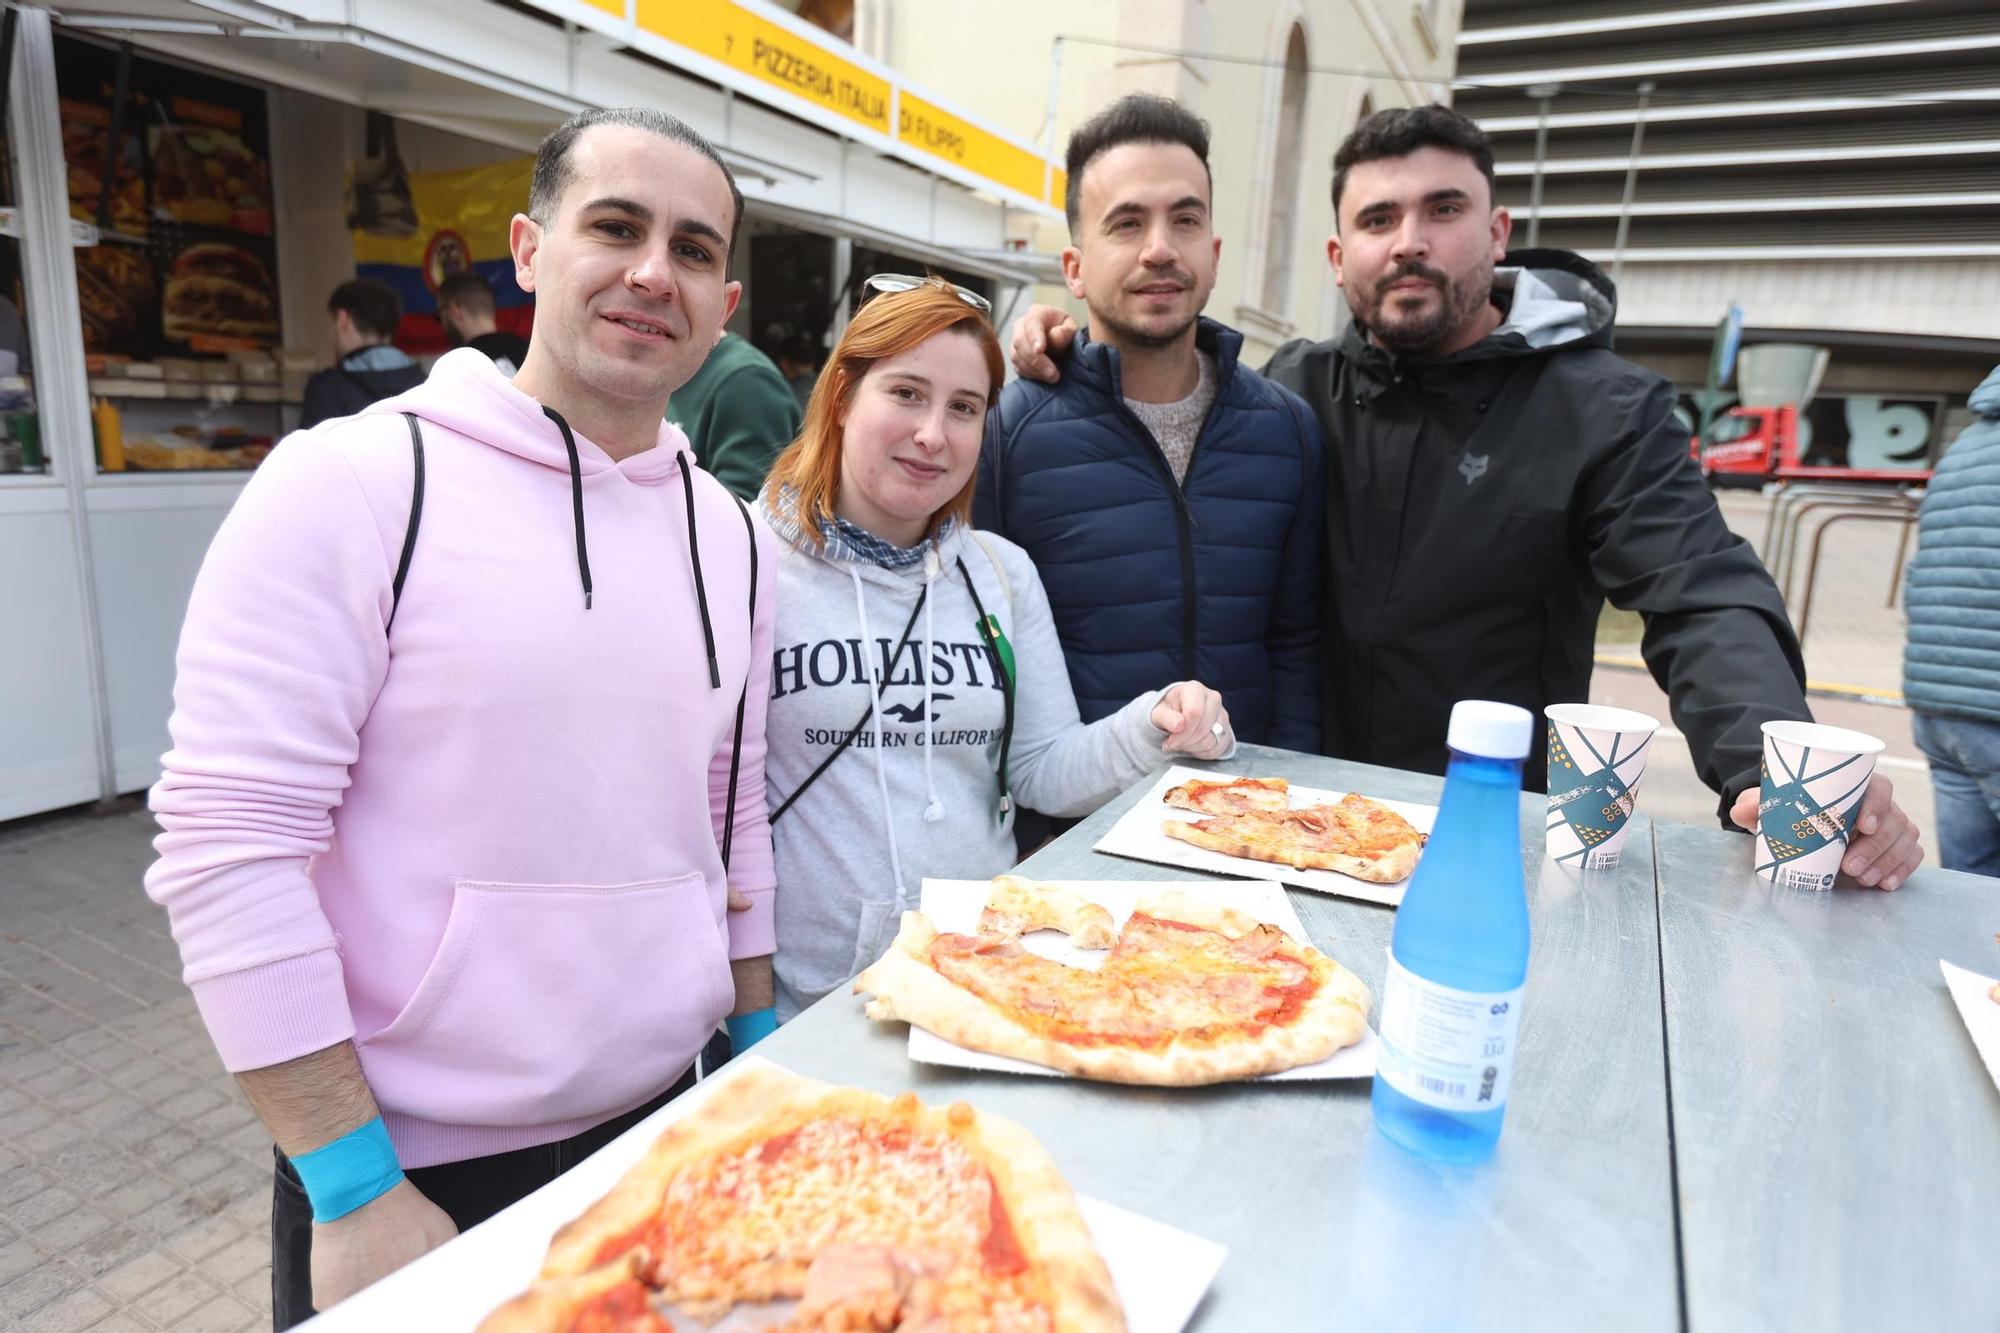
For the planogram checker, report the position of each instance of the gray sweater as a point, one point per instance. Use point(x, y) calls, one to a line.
point(918, 792)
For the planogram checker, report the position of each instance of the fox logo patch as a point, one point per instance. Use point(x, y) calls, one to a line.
point(1472, 467)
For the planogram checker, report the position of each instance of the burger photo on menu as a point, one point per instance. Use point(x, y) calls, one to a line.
point(218, 290)
point(114, 287)
point(209, 177)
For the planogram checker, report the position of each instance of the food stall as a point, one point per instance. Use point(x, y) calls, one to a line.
point(177, 210)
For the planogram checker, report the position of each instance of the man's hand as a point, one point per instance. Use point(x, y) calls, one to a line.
point(373, 1241)
point(1196, 723)
point(1040, 335)
point(1884, 850)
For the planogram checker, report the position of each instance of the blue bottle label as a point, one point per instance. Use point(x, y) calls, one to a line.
point(1451, 1049)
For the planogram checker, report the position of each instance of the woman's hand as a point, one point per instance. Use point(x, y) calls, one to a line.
point(1196, 723)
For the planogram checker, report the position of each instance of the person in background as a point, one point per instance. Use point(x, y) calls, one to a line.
point(738, 412)
point(1951, 664)
point(917, 684)
point(800, 367)
point(367, 366)
point(466, 309)
point(464, 869)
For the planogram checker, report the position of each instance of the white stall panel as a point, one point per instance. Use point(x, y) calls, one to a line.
point(48, 741)
point(967, 222)
point(149, 542)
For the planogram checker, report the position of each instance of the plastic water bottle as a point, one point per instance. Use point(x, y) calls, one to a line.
point(1452, 1001)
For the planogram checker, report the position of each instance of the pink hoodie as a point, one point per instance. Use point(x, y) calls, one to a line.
point(485, 846)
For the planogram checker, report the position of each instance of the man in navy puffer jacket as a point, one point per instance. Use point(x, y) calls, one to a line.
point(1171, 498)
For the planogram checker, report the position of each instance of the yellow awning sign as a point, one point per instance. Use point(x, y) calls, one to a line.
point(943, 135)
point(777, 56)
point(755, 49)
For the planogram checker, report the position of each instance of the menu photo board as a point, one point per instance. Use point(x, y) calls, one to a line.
point(186, 263)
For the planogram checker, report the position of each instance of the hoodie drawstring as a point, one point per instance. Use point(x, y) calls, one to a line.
point(700, 591)
point(576, 509)
point(875, 712)
point(695, 541)
point(933, 807)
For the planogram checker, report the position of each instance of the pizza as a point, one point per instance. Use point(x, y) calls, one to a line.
point(1189, 993)
point(865, 1212)
point(1016, 906)
point(1354, 835)
point(1236, 797)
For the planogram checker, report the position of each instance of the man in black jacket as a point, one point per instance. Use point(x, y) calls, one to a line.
point(367, 366)
point(1495, 472)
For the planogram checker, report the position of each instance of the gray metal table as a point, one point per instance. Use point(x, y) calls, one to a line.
point(1837, 1141)
point(1572, 1224)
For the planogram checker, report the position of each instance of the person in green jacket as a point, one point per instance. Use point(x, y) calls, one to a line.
point(738, 413)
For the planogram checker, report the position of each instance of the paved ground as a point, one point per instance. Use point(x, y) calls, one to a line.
point(134, 1183)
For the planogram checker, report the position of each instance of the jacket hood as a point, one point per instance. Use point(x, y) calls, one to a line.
point(1985, 399)
point(468, 394)
point(1551, 298)
point(1096, 364)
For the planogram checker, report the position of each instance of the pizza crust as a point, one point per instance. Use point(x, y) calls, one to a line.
point(552, 1303)
point(1235, 796)
point(1391, 867)
point(907, 988)
point(763, 1102)
point(1016, 906)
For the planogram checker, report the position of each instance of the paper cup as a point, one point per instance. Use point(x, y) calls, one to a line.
point(1596, 757)
point(1813, 779)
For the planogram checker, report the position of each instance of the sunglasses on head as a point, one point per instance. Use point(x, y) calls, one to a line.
point(904, 282)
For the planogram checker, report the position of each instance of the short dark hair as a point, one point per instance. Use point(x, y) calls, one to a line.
point(468, 291)
point(373, 306)
point(1137, 118)
point(552, 166)
point(1400, 131)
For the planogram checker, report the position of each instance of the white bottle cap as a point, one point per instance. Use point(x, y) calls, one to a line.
point(1490, 730)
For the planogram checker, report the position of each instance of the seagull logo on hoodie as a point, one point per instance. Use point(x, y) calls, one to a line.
point(915, 712)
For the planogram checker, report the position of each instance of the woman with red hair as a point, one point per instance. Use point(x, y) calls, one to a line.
point(918, 689)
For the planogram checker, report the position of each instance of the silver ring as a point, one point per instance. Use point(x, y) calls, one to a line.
point(1217, 729)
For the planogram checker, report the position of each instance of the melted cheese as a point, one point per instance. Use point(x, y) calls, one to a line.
point(747, 1226)
point(1162, 982)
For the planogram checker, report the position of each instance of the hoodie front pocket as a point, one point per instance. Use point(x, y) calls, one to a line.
point(877, 931)
point(548, 1003)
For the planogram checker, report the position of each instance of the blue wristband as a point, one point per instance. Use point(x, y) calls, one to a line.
point(358, 1167)
point(746, 1030)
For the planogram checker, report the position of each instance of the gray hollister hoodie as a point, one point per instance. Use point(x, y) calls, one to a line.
point(918, 791)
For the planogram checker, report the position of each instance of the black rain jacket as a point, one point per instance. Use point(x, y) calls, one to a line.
point(1481, 508)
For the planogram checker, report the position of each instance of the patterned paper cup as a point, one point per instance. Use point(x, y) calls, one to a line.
point(1596, 758)
point(1812, 781)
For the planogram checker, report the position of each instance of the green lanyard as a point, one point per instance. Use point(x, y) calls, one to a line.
point(1002, 651)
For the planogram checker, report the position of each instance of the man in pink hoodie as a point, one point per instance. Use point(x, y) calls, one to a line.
point(450, 800)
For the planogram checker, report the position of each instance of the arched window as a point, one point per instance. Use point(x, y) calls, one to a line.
point(1282, 228)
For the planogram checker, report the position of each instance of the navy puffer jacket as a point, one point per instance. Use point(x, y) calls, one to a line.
point(1216, 579)
point(1952, 663)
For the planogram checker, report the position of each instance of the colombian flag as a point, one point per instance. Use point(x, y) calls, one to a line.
point(462, 219)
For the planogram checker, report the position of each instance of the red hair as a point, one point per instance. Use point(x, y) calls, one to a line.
point(886, 326)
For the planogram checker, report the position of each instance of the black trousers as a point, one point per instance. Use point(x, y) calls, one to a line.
point(470, 1192)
